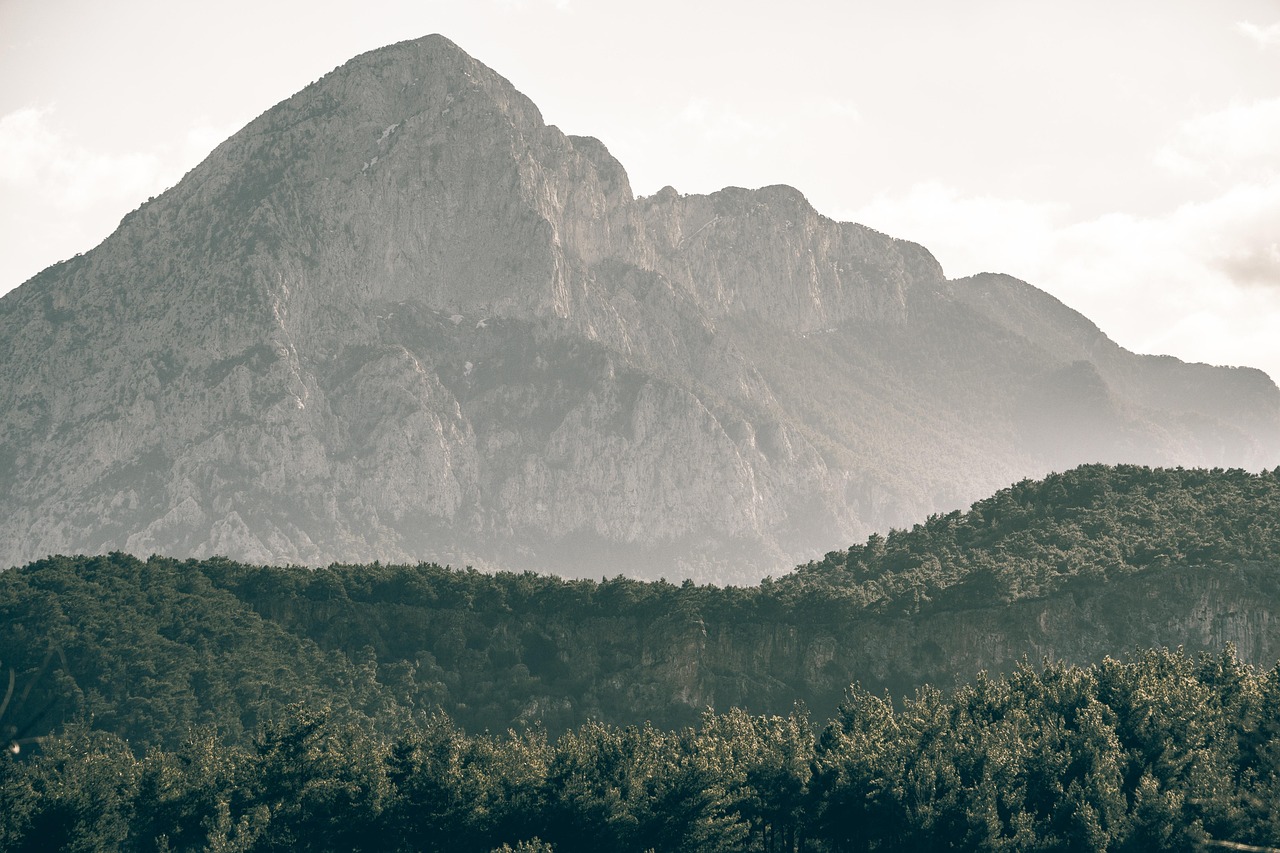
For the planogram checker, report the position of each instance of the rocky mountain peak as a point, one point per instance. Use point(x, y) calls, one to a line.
point(417, 146)
point(768, 254)
point(399, 317)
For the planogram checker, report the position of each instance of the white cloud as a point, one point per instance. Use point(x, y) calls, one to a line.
point(1263, 36)
point(33, 155)
point(967, 234)
point(63, 196)
point(203, 136)
point(1235, 142)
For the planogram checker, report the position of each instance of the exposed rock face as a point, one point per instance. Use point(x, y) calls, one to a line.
point(398, 317)
point(669, 669)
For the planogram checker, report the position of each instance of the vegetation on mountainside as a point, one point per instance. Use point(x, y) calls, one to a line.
point(1161, 752)
point(149, 649)
point(1092, 523)
point(215, 704)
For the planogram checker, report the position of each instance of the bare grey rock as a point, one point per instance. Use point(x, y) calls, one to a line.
point(399, 317)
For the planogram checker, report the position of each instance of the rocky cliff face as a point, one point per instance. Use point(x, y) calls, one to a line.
point(399, 317)
point(670, 668)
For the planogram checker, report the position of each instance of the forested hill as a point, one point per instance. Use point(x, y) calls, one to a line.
point(1084, 564)
point(1092, 523)
point(1164, 752)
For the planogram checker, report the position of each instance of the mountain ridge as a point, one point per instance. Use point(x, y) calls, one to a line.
point(398, 316)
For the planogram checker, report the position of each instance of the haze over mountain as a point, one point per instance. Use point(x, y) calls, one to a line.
point(398, 317)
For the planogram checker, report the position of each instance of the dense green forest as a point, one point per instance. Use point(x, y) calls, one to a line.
point(226, 706)
point(1092, 523)
point(151, 648)
point(1162, 752)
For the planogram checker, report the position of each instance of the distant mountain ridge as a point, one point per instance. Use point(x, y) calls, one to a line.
point(398, 317)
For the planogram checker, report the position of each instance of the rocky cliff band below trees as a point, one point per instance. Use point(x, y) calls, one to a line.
point(151, 650)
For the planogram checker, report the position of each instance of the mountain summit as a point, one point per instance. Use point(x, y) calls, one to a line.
point(399, 317)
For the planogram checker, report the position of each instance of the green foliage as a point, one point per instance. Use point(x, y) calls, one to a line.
point(1161, 751)
point(209, 705)
point(152, 650)
point(1092, 523)
point(78, 795)
point(1122, 756)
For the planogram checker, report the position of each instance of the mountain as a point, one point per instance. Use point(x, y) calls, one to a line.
point(1083, 565)
point(399, 317)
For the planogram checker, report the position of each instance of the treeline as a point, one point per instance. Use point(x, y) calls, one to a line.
point(1089, 524)
point(149, 649)
point(1162, 752)
point(191, 705)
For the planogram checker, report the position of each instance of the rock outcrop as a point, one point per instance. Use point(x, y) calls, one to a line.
point(667, 670)
point(399, 317)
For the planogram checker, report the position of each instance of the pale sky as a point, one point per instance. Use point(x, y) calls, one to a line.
point(1122, 155)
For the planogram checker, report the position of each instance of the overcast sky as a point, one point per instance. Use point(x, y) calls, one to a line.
point(1124, 156)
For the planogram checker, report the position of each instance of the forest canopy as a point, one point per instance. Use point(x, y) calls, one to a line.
point(218, 705)
point(1161, 752)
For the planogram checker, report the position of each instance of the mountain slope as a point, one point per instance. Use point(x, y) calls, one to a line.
point(400, 317)
point(1085, 564)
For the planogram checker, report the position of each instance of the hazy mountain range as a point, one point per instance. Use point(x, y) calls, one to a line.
point(398, 317)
